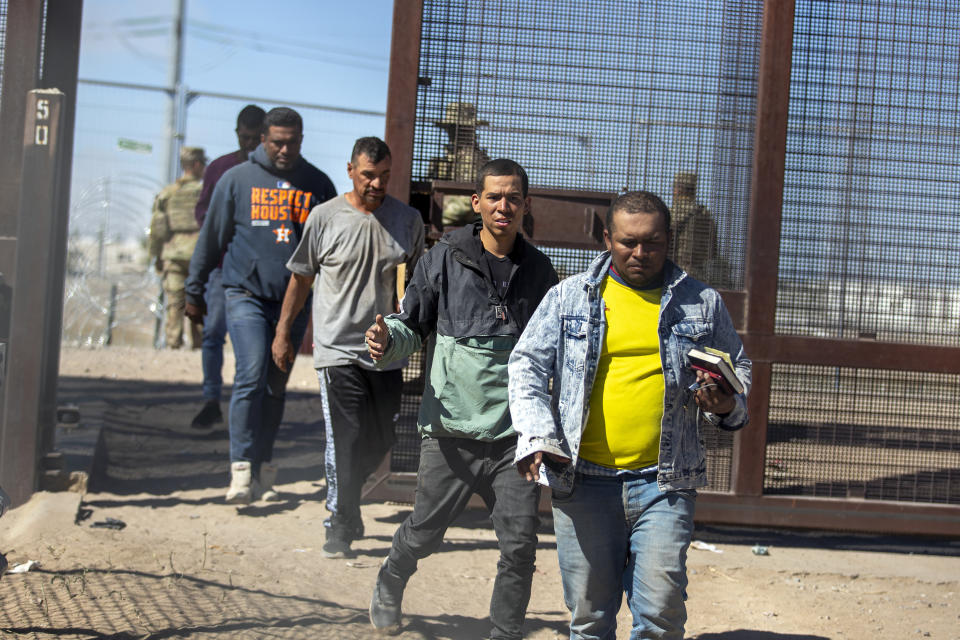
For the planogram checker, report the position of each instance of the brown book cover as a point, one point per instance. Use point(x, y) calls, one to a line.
point(718, 367)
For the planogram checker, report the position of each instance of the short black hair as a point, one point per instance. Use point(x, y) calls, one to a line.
point(251, 117)
point(503, 167)
point(638, 202)
point(283, 117)
point(371, 146)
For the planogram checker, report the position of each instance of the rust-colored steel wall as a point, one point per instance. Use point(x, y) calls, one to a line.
point(835, 225)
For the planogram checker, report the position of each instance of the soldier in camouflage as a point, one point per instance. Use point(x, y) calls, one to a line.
point(173, 235)
point(694, 233)
point(462, 161)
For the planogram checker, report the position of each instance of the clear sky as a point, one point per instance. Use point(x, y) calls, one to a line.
point(305, 51)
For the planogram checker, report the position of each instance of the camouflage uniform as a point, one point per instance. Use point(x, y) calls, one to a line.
point(695, 234)
point(173, 234)
point(462, 161)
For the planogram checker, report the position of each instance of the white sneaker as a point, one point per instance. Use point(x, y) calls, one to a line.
point(268, 477)
point(240, 491)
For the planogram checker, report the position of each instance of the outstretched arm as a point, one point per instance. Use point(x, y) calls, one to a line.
point(402, 333)
point(378, 338)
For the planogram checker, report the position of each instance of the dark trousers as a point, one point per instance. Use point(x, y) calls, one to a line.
point(451, 470)
point(360, 409)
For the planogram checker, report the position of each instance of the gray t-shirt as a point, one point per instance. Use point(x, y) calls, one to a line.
point(355, 255)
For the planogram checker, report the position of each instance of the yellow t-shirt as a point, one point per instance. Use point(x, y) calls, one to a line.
point(626, 405)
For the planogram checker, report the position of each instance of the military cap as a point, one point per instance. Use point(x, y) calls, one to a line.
point(686, 180)
point(460, 114)
point(189, 155)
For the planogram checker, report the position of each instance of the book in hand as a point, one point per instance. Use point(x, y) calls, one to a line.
point(718, 364)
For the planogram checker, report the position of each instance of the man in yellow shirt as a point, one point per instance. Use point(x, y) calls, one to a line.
point(608, 412)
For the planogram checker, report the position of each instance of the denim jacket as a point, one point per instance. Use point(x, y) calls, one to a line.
point(562, 345)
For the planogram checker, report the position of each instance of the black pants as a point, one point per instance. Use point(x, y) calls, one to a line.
point(451, 470)
point(360, 409)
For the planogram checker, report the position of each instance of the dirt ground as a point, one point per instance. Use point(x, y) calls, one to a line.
point(188, 565)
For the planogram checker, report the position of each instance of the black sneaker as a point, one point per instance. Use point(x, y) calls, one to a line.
point(209, 415)
point(385, 603)
point(336, 546)
point(356, 531)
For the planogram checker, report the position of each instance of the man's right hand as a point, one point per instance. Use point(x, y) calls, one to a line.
point(377, 337)
point(529, 467)
point(282, 351)
point(195, 312)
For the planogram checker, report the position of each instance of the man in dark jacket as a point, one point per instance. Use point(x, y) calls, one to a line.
point(476, 289)
point(249, 129)
point(256, 216)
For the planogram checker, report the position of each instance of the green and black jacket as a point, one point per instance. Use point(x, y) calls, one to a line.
point(452, 295)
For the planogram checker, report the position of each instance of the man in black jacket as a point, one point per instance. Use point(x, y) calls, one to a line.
point(256, 216)
point(476, 289)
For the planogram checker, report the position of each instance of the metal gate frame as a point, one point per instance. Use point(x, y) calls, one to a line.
point(752, 311)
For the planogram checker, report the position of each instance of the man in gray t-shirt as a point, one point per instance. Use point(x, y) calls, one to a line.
point(354, 242)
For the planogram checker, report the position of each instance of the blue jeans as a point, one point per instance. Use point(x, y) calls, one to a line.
point(623, 534)
point(259, 387)
point(451, 470)
point(214, 335)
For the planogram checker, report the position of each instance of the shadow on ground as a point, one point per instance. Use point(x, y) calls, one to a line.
point(153, 453)
point(152, 449)
point(837, 541)
point(115, 603)
point(744, 634)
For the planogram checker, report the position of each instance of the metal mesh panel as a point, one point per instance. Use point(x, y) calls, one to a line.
point(3, 38)
point(597, 96)
point(406, 448)
point(568, 262)
point(719, 448)
point(859, 433)
point(871, 215)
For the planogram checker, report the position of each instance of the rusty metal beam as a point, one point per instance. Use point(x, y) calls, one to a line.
point(866, 354)
point(736, 303)
point(61, 60)
point(832, 514)
point(29, 351)
point(763, 232)
point(402, 94)
point(835, 514)
point(750, 443)
point(21, 68)
point(769, 161)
